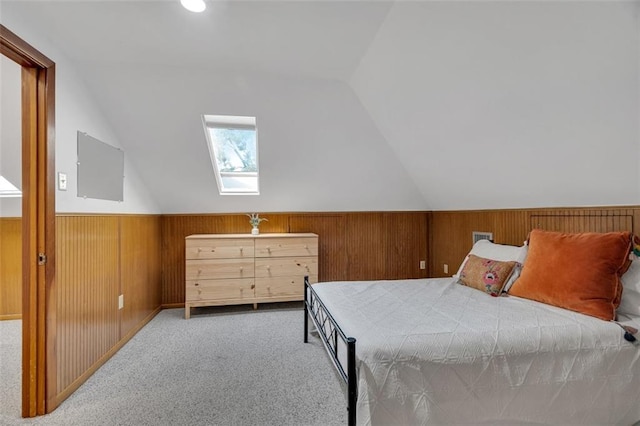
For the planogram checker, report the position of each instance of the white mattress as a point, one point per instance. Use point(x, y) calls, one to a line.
point(435, 352)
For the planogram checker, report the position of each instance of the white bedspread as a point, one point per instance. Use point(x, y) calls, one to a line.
point(435, 352)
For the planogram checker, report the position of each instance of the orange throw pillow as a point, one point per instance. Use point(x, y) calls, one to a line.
point(579, 272)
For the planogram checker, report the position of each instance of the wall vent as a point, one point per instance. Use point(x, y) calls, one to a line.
point(477, 236)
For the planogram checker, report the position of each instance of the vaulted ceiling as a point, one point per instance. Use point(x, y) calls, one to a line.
point(323, 39)
point(434, 105)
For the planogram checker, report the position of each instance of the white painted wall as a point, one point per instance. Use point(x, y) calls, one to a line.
point(509, 104)
point(10, 133)
point(318, 148)
point(77, 109)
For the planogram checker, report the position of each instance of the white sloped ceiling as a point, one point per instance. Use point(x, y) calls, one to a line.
point(509, 104)
point(318, 149)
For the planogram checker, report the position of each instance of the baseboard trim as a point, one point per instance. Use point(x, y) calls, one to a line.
point(54, 402)
point(172, 305)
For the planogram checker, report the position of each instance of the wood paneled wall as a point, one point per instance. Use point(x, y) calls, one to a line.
point(87, 288)
point(451, 231)
point(10, 268)
point(140, 270)
point(352, 246)
point(100, 257)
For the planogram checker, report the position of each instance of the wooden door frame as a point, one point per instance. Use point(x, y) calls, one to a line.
point(38, 223)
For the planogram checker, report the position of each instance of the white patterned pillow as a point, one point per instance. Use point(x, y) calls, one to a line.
point(630, 302)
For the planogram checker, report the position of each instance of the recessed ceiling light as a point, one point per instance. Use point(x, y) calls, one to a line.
point(194, 5)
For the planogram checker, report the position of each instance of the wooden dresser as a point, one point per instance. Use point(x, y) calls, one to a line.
point(232, 269)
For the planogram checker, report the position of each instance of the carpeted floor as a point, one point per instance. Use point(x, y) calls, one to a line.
point(10, 369)
point(224, 366)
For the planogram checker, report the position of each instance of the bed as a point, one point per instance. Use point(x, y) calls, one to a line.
point(433, 351)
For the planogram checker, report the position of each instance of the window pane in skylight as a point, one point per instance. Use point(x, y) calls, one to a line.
point(235, 149)
point(234, 153)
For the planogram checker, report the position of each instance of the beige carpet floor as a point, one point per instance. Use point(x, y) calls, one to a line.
point(224, 366)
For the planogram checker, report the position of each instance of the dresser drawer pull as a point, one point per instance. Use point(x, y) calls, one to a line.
point(253, 286)
point(197, 284)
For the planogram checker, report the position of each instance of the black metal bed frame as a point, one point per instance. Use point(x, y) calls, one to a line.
point(330, 332)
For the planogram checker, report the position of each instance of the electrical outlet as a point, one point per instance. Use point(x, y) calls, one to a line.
point(423, 264)
point(121, 301)
point(446, 268)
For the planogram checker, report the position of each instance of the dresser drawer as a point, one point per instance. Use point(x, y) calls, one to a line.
point(279, 247)
point(222, 248)
point(282, 286)
point(201, 290)
point(219, 268)
point(286, 266)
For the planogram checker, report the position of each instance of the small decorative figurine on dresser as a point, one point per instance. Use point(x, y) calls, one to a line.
point(254, 220)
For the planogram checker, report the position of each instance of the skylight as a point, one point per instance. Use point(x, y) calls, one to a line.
point(7, 189)
point(233, 146)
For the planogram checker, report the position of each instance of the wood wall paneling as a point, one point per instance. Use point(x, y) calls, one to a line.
point(352, 245)
point(584, 221)
point(100, 257)
point(450, 231)
point(140, 269)
point(365, 252)
point(88, 284)
point(405, 245)
point(10, 268)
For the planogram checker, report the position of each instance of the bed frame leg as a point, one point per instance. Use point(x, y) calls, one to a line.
point(306, 311)
point(352, 388)
point(350, 376)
